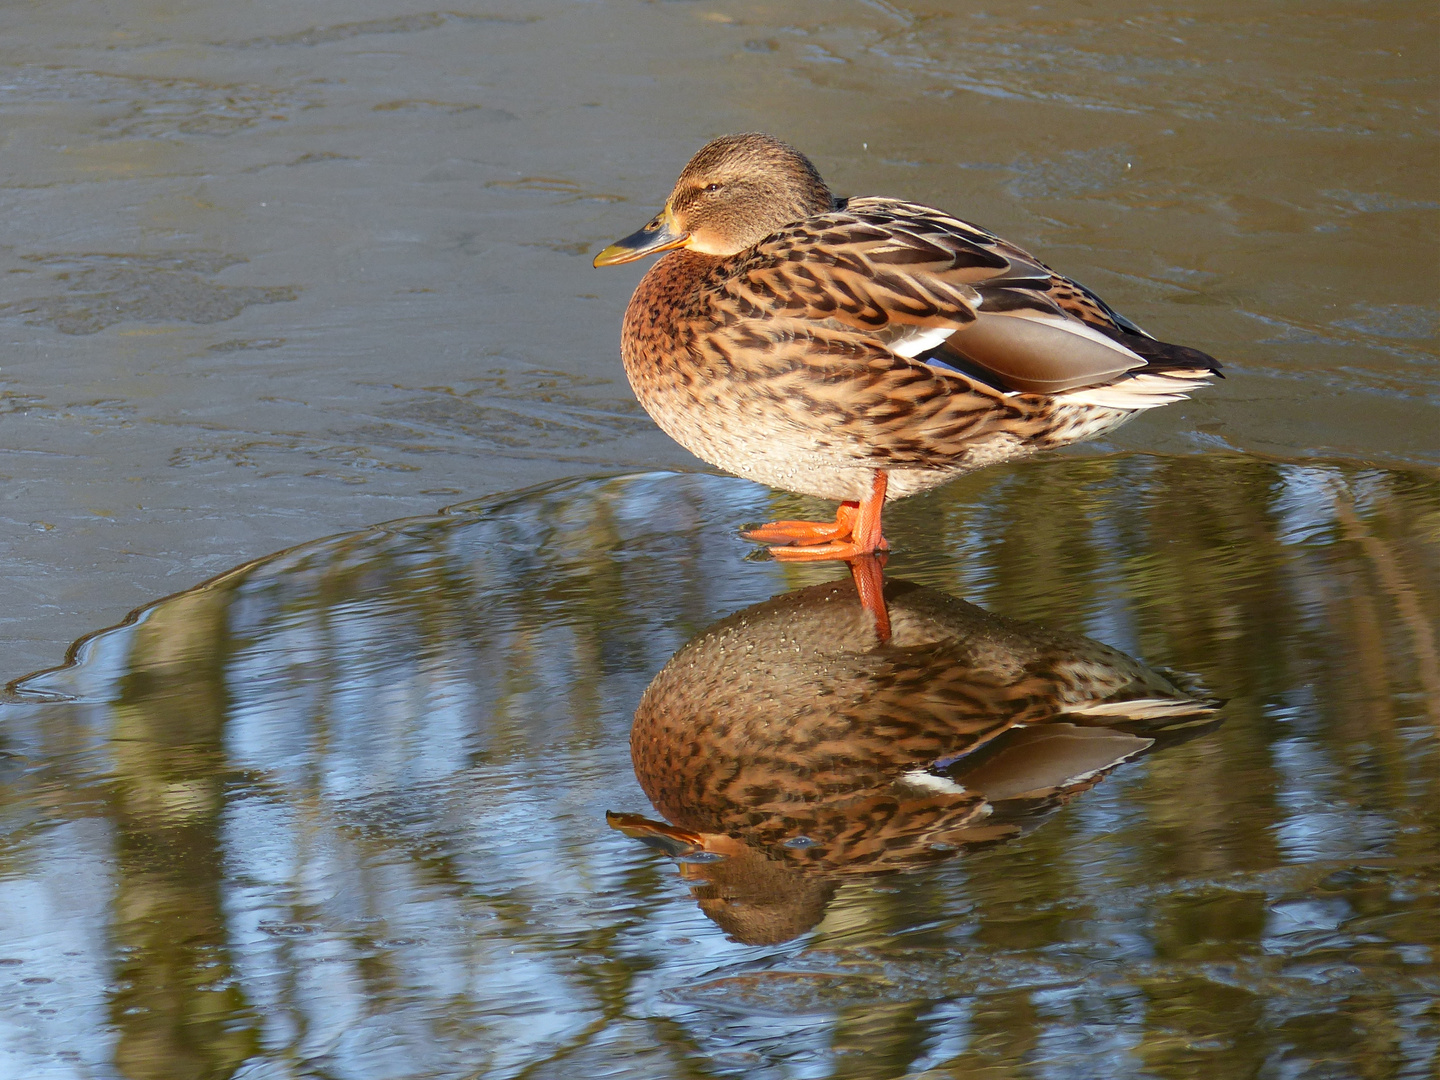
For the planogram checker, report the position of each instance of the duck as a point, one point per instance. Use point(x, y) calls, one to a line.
point(793, 746)
point(864, 349)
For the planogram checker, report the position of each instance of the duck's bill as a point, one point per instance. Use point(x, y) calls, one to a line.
point(658, 235)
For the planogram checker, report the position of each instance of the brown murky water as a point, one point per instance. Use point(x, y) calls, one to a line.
point(272, 273)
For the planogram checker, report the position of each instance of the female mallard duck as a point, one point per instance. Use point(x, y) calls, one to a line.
point(861, 348)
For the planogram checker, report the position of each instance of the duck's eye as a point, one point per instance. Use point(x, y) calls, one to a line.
point(712, 188)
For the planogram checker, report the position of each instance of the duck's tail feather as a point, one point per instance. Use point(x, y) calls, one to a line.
point(1169, 374)
point(1161, 356)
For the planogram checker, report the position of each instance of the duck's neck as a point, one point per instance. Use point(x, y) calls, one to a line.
point(663, 299)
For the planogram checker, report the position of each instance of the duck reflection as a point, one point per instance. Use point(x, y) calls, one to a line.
point(863, 727)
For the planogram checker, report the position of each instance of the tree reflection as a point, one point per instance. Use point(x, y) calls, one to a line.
point(176, 1008)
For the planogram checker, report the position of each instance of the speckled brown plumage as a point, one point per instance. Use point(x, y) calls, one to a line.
point(866, 334)
point(791, 734)
point(793, 717)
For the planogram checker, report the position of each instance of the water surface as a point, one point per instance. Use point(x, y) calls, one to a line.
point(271, 271)
point(343, 811)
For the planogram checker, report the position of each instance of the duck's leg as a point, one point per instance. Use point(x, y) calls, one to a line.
point(864, 535)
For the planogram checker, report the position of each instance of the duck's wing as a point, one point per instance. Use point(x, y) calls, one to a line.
point(939, 290)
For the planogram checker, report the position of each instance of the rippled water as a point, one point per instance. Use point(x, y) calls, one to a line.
point(271, 271)
point(343, 811)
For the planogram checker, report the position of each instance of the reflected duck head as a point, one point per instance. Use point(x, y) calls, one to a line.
point(741, 889)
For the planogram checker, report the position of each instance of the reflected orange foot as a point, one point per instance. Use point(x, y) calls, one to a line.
point(846, 549)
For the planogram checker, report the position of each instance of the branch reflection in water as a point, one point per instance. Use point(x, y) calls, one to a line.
point(819, 736)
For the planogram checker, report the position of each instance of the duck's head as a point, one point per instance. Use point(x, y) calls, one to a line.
point(735, 192)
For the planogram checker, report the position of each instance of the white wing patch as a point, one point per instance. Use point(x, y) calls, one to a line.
point(913, 341)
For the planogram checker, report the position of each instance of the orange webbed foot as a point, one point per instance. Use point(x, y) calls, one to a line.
point(854, 532)
point(784, 534)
